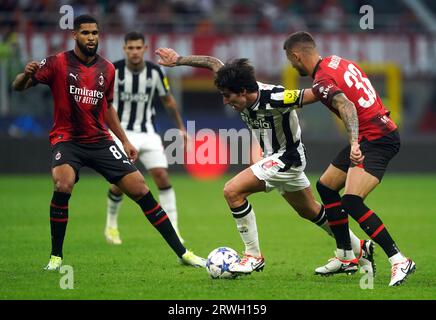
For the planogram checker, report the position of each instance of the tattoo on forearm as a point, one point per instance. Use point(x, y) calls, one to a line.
point(348, 113)
point(211, 63)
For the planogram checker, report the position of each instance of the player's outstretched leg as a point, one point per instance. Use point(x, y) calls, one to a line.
point(114, 200)
point(247, 227)
point(134, 186)
point(236, 192)
point(369, 221)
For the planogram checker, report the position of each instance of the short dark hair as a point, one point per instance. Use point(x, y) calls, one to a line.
point(236, 76)
point(134, 35)
point(299, 37)
point(84, 18)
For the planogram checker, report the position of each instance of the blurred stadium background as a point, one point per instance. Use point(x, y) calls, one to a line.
point(399, 54)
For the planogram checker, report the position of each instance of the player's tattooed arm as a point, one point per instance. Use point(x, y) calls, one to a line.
point(24, 80)
point(207, 62)
point(170, 58)
point(348, 113)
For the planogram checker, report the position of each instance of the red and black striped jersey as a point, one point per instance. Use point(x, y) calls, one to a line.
point(335, 75)
point(81, 93)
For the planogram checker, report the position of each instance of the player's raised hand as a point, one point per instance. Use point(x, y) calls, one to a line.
point(131, 151)
point(168, 57)
point(356, 155)
point(31, 68)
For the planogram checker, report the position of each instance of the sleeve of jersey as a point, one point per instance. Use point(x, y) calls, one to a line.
point(163, 86)
point(286, 99)
point(110, 90)
point(325, 89)
point(46, 72)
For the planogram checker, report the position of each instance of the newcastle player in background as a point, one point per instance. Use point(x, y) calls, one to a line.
point(137, 82)
point(269, 112)
point(373, 137)
point(81, 82)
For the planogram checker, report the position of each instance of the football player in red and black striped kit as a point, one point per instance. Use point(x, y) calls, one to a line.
point(374, 140)
point(82, 83)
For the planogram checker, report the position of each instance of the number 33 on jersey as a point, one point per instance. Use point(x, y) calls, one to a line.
point(334, 75)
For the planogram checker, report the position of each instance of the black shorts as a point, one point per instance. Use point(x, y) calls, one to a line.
point(105, 157)
point(377, 154)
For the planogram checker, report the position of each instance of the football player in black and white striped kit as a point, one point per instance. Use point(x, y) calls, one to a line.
point(269, 111)
point(137, 81)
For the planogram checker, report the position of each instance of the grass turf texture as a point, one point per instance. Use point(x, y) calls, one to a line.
point(144, 267)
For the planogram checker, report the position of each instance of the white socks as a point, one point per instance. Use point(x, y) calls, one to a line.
point(113, 208)
point(247, 227)
point(397, 258)
point(167, 199)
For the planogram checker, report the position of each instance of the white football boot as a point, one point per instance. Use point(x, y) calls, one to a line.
point(339, 264)
point(54, 263)
point(112, 236)
point(248, 264)
point(366, 257)
point(190, 259)
point(400, 271)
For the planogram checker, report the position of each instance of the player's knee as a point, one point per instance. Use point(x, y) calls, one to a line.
point(115, 190)
point(230, 193)
point(327, 195)
point(64, 186)
point(160, 177)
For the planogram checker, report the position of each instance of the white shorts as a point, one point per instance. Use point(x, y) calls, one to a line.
point(149, 146)
point(291, 180)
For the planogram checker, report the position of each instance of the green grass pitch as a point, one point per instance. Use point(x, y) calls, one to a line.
point(145, 268)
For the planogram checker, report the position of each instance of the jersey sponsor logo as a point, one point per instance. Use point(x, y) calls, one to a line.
point(256, 123)
point(290, 96)
point(87, 96)
point(58, 156)
point(139, 97)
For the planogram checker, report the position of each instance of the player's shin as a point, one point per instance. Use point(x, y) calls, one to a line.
point(247, 227)
point(167, 198)
point(337, 218)
point(58, 221)
point(159, 219)
point(371, 224)
point(321, 221)
point(113, 208)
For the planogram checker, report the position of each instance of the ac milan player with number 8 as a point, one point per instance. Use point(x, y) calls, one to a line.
point(374, 140)
point(82, 84)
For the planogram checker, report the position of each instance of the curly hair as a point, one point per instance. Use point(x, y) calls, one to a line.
point(236, 76)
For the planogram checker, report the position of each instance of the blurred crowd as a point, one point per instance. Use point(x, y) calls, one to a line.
point(213, 16)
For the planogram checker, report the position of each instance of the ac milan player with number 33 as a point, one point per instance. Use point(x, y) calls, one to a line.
point(82, 84)
point(374, 140)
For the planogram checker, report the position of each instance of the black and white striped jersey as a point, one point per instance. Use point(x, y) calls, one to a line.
point(134, 94)
point(274, 122)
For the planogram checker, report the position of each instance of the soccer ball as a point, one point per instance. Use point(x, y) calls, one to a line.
point(218, 262)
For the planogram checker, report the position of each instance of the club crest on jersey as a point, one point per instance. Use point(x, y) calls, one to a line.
point(101, 79)
point(42, 63)
point(58, 156)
